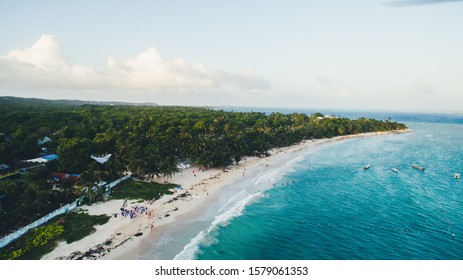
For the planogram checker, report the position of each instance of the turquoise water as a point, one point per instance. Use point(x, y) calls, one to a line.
point(323, 205)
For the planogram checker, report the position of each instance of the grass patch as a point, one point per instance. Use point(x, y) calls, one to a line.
point(136, 190)
point(39, 252)
point(78, 225)
point(68, 227)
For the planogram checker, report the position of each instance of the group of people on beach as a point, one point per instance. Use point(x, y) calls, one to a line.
point(132, 212)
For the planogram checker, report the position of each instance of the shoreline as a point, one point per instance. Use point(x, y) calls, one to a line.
point(123, 238)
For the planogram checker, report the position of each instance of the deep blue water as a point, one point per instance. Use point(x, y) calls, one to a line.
point(324, 206)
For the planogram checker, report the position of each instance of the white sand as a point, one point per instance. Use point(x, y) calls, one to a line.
point(198, 191)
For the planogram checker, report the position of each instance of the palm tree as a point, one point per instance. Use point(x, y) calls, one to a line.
point(138, 166)
point(168, 169)
point(91, 196)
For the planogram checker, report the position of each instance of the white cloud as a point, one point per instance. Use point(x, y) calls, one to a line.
point(333, 86)
point(45, 65)
point(423, 87)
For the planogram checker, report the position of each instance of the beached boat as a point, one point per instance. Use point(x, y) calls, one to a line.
point(366, 167)
point(395, 170)
point(418, 167)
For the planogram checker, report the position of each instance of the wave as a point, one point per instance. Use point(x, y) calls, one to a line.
point(269, 178)
point(203, 238)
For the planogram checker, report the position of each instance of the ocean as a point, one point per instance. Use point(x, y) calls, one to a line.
point(322, 204)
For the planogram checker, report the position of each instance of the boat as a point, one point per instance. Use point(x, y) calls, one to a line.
point(395, 170)
point(366, 167)
point(457, 175)
point(418, 167)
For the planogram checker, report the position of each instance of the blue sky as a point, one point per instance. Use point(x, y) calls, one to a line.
point(358, 54)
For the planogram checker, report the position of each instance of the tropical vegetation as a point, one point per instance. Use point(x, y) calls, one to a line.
point(39, 241)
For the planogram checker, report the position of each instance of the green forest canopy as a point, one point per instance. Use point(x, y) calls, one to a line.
point(154, 139)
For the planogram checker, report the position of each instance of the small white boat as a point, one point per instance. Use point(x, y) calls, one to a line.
point(395, 170)
point(366, 167)
point(457, 175)
point(416, 166)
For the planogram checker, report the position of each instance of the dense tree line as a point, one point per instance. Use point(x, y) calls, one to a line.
point(153, 140)
point(150, 140)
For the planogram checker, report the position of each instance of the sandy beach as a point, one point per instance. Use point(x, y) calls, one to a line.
point(120, 237)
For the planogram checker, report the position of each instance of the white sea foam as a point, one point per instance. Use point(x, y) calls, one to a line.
point(233, 200)
point(206, 236)
point(269, 178)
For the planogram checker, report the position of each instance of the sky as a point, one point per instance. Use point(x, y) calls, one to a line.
point(356, 54)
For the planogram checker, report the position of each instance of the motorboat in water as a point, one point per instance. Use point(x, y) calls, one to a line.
point(416, 166)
